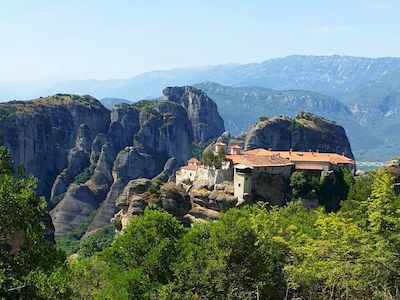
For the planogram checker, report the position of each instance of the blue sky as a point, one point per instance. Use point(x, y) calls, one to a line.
point(121, 38)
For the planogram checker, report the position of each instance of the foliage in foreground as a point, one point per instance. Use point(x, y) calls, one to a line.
point(249, 252)
point(277, 253)
point(24, 252)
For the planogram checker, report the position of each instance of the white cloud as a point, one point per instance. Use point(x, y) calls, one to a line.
point(327, 28)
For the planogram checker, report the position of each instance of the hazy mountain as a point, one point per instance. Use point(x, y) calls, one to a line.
point(241, 107)
point(327, 74)
point(111, 102)
point(368, 87)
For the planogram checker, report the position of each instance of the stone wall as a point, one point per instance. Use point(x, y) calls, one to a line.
point(185, 175)
point(214, 176)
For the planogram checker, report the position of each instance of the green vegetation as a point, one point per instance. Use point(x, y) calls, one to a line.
point(330, 189)
point(24, 252)
point(70, 242)
point(55, 200)
point(211, 160)
point(303, 184)
point(275, 253)
point(248, 253)
point(97, 241)
point(85, 174)
point(145, 106)
point(294, 125)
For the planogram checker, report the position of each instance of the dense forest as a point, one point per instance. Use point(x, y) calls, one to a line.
point(255, 252)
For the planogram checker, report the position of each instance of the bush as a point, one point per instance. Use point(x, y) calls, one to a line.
point(97, 241)
point(70, 241)
point(85, 174)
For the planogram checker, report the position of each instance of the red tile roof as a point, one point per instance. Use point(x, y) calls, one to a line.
point(259, 160)
point(191, 168)
point(193, 160)
point(302, 156)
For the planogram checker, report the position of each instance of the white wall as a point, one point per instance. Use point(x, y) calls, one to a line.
point(184, 174)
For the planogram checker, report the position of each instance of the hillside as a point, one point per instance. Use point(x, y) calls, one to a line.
point(242, 107)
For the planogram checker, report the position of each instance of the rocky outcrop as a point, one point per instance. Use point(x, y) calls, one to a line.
point(208, 201)
point(306, 131)
point(40, 132)
point(393, 167)
point(165, 131)
point(202, 111)
point(81, 200)
point(148, 139)
point(139, 141)
point(142, 193)
point(78, 159)
point(84, 155)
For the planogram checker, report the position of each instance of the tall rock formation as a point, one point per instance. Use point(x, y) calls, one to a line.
point(40, 133)
point(140, 140)
point(202, 111)
point(306, 131)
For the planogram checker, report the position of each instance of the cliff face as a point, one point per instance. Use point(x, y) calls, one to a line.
point(202, 111)
point(306, 131)
point(39, 133)
point(140, 139)
point(85, 155)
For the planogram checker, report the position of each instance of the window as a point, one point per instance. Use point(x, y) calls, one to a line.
point(238, 184)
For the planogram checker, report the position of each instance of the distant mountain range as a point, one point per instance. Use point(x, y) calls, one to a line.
point(111, 102)
point(362, 94)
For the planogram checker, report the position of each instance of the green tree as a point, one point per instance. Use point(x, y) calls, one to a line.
point(97, 241)
point(340, 260)
point(139, 261)
point(352, 253)
point(383, 208)
point(302, 184)
point(212, 160)
point(334, 188)
point(23, 248)
point(208, 158)
point(221, 260)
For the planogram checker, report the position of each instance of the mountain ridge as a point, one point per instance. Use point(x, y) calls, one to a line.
point(222, 73)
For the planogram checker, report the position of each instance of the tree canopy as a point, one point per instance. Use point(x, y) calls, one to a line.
point(254, 252)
